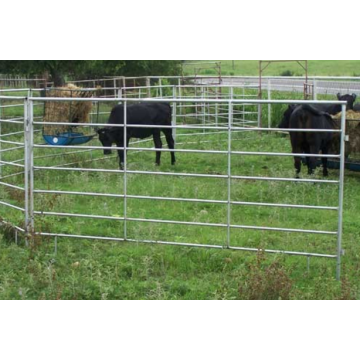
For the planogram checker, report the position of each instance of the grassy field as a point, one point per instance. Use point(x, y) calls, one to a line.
point(251, 67)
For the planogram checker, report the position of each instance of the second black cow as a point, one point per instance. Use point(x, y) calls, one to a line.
point(308, 117)
point(332, 109)
point(149, 114)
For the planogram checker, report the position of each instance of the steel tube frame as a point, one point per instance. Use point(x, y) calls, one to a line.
point(187, 175)
point(140, 197)
point(341, 192)
point(125, 170)
point(203, 246)
point(174, 222)
point(29, 169)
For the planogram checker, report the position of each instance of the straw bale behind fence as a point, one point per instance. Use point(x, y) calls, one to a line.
point(71, 112)
point(352, 130)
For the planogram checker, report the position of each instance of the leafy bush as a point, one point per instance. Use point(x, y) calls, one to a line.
point(287, 73)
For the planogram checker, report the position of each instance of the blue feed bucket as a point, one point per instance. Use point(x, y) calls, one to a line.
point(335, 164)
point(68, 138)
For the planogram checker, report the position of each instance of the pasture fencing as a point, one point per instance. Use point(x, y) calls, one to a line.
point(207, 113)
point(206, 201)
point(13, 81)
point(273, 87)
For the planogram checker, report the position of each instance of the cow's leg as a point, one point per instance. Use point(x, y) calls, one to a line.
point(312, 160)
point(171, 144)
point(120, 144)
point(296, 149)
point(158, 145)
point(297, 164)
point(324, 160)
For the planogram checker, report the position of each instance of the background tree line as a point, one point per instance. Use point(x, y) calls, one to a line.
point(59, 70)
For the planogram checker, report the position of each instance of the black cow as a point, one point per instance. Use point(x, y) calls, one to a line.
point(325, 108)
point(308, 117)
point(335, 109)
point(158, 114)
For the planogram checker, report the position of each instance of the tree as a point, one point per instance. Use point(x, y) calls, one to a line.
point(151, 67)
point(59, 69)
point(85, 69)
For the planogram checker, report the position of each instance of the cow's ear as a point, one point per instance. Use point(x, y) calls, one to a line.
point(354, 96)
point(338, 96)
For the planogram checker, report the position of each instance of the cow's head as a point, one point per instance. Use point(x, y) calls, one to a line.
point(350, 99)
point(285, 122)
point(106, 139)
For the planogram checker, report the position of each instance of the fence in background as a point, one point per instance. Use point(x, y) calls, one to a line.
point(13, 81)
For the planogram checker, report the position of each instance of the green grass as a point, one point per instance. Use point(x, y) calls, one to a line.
point(315, 67)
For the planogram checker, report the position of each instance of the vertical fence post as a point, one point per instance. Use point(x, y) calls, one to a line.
point(243, 106)
point(341, 191)
point(259, 119)
point(148, 83)
point(122, 94)
point(31, 162)
point(217, 107)
point(125, 170)
point(179, 96)
point(315, 89)
point(203, 108)
point(230, 120)
point(232, 105)
point(269, 105)
point(174, 114)
point(160, 88)
point(26, 166)
point(208, 95)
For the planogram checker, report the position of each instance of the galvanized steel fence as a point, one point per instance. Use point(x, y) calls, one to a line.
point(28, 168)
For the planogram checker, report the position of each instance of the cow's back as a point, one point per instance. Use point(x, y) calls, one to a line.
point(309, 117)
point(142, 114)
point(117, 115)
point(161, 111)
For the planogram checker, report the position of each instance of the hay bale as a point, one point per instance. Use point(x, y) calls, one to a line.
point(71, 112)
point(352, 130)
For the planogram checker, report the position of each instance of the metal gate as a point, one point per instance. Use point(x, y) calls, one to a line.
point(33, 165)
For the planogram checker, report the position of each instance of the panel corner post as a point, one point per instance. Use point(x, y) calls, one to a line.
point(230, 122)
point(125, 148)
point(27, 168)
point(269, 105)
point(174, 113)
point(341, 192)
